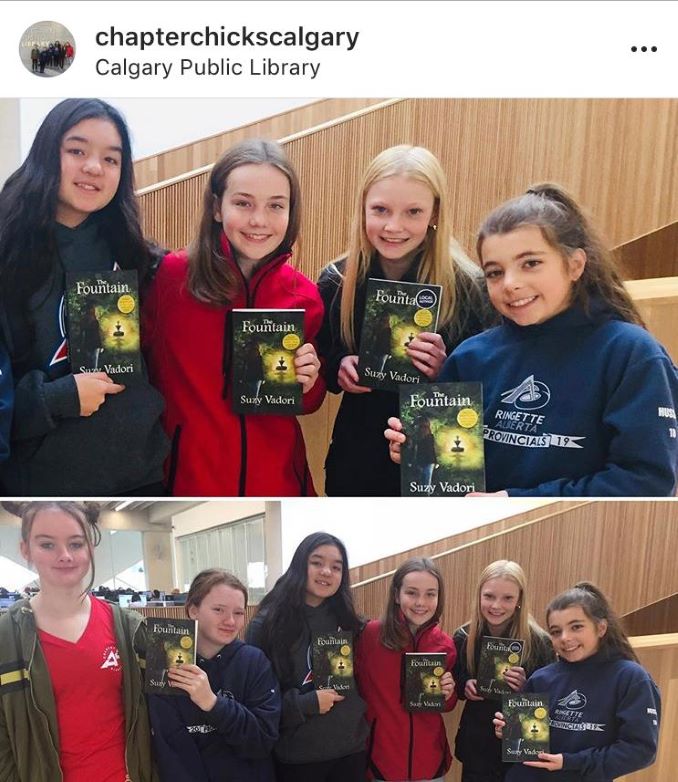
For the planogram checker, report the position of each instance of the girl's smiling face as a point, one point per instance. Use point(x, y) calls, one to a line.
point(398, 213)
point(221, 616)
point(254, 210)
point(418, 598)
point(91, 159)
point(575, 636)
point(528, 280)
point(58, 549)
point(323, 579)
point(498, 602)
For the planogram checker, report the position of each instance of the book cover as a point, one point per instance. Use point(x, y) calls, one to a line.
point(496, 656)
point(444, 454)
point(395, 313)
point(423, 672)
point(170, 642)
point(264, 344)
point(526, 732)
point(102, 313)
point(333, 661)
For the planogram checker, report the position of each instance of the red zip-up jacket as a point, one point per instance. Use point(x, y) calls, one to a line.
point(403, 745)
point(216, 452)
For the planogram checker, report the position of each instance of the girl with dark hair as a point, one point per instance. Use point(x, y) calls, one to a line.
point(71, 207)
point(226, 728)
point(604, 707)
point(239, 259)
point(322, 733)
point(500, 608)
point(406, 745)
point(579, 399)
point(72, 706)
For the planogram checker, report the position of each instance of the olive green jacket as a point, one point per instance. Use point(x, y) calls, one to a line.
point(29, 738)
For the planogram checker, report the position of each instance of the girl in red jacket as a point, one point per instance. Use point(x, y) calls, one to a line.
point(239, 259)
point(405, 745)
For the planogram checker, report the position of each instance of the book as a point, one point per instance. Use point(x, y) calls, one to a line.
point(395, 313)
point(332, 655)
point(496, 656)
point(526, 732)
point(264, 344)
point(170, 642)
point(102, 315)
point(423, 672)
point(443, 455)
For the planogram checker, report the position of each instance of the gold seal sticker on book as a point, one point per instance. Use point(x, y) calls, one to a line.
point(423, 318)
point(513, 658)
point(186, 642)
point(540, 713)
point(345, 650)
point(467, 417)
point(291, 341)
point(126, 304)
point(438, 671)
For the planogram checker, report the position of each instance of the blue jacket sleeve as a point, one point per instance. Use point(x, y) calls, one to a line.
point(250, 727)
point(643, 451)
point(176, 753)
point(6, 403)
point(635, 746)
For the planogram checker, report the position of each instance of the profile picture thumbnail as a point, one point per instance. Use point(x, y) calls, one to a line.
point(47, 49)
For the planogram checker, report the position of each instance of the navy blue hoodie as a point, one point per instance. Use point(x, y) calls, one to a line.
point(581, 405)
point(6, 402)
point(233, 741)
point(604, 716)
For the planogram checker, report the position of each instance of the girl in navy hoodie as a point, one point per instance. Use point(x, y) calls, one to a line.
point(604, 708)
point(579, 399)
point(226, 728)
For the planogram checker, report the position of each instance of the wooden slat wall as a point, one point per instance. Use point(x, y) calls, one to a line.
point(660, 617)
point(657, 300)
point(174, 162)
point(387, 564)
point(640, 257)
point(491, 150)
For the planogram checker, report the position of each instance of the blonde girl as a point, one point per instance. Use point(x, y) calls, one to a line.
point(499, 608)
point(72, 705)
point(604, 708)
point(400, 231)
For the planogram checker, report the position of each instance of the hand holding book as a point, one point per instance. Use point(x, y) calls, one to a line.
point(306, 366)
point(447, 685)
point(93, 388)
point(193, 680)
point(427, 353)
point(348, 377)
point(327, 698)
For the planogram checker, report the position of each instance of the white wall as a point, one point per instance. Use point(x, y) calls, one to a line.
point(372, 529)
point(162, 123)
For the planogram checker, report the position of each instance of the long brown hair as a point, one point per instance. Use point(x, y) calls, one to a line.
point(566, 228)
point(597, 608)
point(522, 624)
point(210, 278)
point(393, 632)
point(443, 260)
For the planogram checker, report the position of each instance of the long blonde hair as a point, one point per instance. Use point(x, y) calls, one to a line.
point(522, 624)
point(442, 258)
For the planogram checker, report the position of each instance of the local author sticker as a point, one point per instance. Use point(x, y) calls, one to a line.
point(291, 341)
point(423, 318)
point(438, 671)
point(186, 642)
point(126, 304)
point(513, 658)
point(540, 713)
point(467, 417)
point(345, 650)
